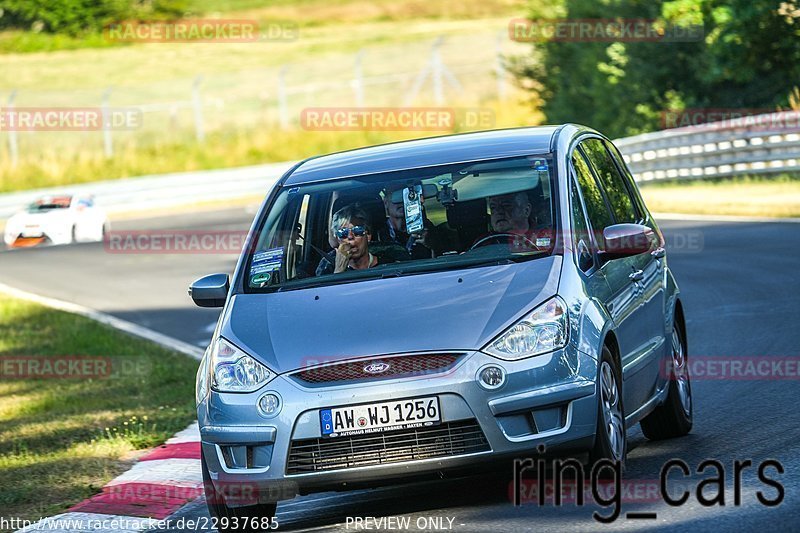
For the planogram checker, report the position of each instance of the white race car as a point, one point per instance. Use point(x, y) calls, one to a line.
point(56, 220)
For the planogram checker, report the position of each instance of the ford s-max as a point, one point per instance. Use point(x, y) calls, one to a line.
point(432, 305)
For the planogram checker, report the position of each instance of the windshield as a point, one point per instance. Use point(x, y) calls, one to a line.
point(407, 222)
point(46, 204)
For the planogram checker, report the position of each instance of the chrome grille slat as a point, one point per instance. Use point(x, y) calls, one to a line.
point(449, 439)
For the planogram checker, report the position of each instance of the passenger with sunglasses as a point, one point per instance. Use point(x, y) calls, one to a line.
point(351, 227)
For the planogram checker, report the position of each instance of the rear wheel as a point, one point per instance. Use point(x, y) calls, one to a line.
point(257, 517)
point(674, 417)
point(610, 442)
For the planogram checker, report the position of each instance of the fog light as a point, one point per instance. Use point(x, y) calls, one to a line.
point(491, 377)
point(269, 404)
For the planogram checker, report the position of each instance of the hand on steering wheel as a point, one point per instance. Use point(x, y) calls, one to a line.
point(497, 236)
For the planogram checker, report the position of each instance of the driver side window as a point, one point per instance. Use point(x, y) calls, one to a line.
point(580, 231)
point(596, 207)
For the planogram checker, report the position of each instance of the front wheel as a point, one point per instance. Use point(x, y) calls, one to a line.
point(255, 517)
point(610, 441)
point(674, 417)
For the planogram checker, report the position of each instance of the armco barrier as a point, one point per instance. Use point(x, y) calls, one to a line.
point(718, 149)
point(149, 192)
point(755, 145)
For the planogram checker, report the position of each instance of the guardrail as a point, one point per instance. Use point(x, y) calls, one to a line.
point(166, 190)
point(753, 145)
point(716, 149)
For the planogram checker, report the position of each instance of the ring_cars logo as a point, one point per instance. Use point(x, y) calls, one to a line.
point(376, 368)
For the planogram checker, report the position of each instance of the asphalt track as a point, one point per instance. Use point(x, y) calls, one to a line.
point(740, 289)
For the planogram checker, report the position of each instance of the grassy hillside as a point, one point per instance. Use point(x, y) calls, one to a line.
point(239, 86)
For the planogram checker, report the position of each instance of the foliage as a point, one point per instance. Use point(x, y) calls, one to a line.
point(749, 58)
point(77, 17)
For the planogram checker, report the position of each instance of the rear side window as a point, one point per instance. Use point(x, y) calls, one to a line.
point(596, 208)
point(617, 192)
point(628, 177)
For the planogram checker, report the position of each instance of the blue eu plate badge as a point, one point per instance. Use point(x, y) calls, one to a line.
point(326, 421)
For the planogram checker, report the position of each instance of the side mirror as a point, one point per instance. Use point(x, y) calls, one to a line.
point(210, 291)
point(625, 240)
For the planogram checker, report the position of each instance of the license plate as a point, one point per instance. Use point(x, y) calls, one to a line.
point(379, 417)
point(31, 231)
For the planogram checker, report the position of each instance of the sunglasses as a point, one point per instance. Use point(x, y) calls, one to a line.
point(357, 231)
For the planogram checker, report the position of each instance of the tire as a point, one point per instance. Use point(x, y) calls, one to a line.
point(228, 518)
point(611, 441)
point(673, 418)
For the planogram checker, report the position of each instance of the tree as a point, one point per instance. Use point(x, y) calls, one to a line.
point(79, 16)
point(748, 58)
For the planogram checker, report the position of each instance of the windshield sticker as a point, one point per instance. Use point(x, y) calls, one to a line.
point(258, 279)
point(273, 254)
point(540, 165)
point(543, 242)
point(265, 263)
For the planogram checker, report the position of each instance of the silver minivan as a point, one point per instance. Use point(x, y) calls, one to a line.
point(424, 306)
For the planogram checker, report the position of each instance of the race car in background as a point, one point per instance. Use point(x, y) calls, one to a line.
point(56, 220)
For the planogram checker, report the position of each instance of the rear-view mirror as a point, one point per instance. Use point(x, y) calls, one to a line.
point(429, 190)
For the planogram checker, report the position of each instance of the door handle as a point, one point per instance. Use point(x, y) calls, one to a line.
point(659, 252)
point(637, 275)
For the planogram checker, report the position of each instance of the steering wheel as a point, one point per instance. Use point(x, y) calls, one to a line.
point(498, 236)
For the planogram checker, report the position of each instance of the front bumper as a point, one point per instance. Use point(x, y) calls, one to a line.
point(548, 399)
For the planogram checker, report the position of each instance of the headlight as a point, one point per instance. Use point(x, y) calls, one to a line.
point(543, 330)
point(201, 390)
point(232, 370)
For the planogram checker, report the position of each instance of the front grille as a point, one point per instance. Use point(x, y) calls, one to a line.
point(398, 366)
point(445, 440)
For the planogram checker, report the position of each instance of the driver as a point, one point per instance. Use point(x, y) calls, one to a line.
point(510, 217)
point(510, 213)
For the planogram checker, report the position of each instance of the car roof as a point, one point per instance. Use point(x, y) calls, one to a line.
point(420, 153)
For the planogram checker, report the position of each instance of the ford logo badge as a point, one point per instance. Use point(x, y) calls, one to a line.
point(376, 368)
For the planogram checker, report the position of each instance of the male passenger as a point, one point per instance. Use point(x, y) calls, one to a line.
point(395, 229)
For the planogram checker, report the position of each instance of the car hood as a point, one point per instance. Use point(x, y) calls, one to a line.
point(453, 310)
point(24, 217)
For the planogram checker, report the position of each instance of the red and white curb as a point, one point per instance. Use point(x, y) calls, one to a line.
point(163, 481)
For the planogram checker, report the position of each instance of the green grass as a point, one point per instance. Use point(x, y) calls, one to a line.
point(311, 16)
point(239, 90)
point(63, 439)
point(776, 197)
point(222, 148)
